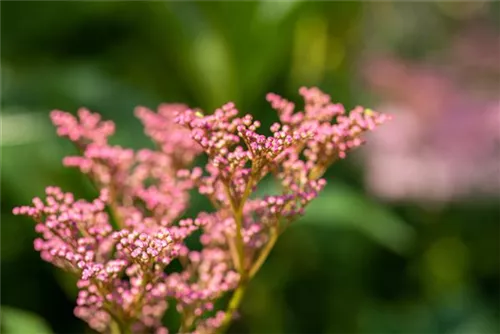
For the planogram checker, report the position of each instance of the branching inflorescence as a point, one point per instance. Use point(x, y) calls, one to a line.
point(121, 244)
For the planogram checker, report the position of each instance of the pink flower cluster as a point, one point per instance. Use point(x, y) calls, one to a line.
point(122, 244)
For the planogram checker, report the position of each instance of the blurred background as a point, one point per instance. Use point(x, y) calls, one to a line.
point(405, 238)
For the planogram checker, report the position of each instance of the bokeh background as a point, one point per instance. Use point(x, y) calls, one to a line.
point(405, 238)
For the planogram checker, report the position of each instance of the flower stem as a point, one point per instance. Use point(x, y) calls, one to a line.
point(233, 305)
point(238, 294)
point(119, 327)
point(245, 275)
point(237, 208)
point(115, 328)
point(238, 217)
point(186, 321)
point(264, 253)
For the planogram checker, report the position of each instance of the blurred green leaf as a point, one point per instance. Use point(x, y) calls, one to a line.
point(344, 206)
point(67, 282)
point(19, 126)
point(15, 321)
point(16, 236)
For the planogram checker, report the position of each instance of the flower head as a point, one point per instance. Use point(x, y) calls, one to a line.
point(122, 246)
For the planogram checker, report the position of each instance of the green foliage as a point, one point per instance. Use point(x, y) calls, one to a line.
point(343, 207)
point(15, 321)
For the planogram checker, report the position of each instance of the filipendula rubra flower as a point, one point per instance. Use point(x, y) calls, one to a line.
point(121, 244)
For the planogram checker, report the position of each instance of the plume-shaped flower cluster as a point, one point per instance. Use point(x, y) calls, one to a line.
point(122, 244)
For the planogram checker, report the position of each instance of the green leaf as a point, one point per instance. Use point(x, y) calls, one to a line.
point(67, 282)
point(15, 321)
point(340, 205)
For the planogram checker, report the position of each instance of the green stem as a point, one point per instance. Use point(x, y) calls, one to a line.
point(264, 254)
point(233, 305)
point(118, 327)
point(237, 213)
point(237, 208)
point(186, 321)
point(246, 276)
point(238, 294)
point(114, 328)
point(238, 217)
